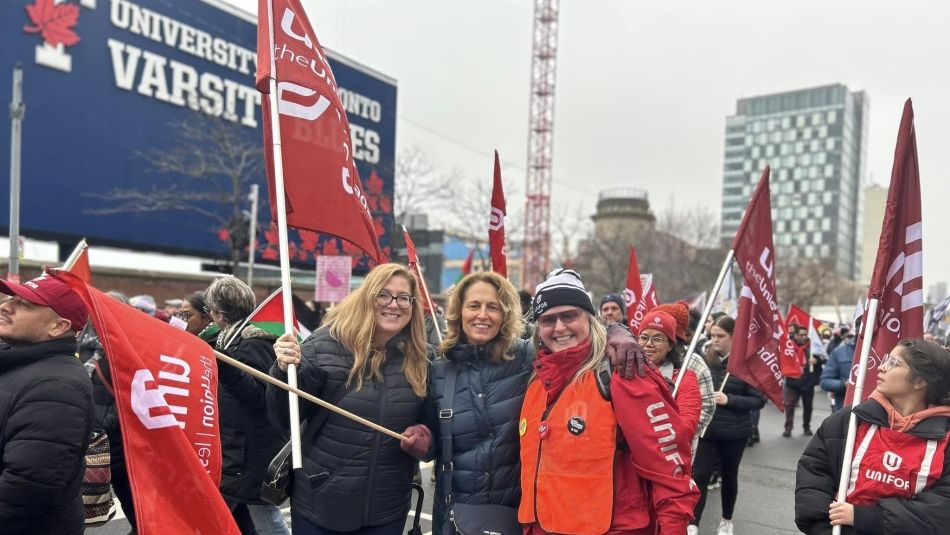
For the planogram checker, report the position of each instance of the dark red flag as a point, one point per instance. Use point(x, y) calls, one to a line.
point(496, 224)
point(413, 261)
point(637, 303)
point(322, 186)
point(897, 281)
point(78, 263)
point(165, 383)
point(756, 352)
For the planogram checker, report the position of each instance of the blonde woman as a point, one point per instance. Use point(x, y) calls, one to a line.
point(489, 365)
point(370, 358)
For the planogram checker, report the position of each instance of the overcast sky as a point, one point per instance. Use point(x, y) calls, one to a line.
point(644, 87)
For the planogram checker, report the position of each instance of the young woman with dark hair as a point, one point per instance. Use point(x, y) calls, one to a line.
point(900, 478)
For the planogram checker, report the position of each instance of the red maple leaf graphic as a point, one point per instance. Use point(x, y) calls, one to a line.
point(374, 185)
point(54, 21)
point(223, 234)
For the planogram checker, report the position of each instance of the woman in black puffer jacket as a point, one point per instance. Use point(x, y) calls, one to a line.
point(725, 437)
point(370, 358)
point(492, 365)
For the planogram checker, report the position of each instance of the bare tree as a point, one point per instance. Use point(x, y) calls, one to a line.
point(569, 225)
point(420, 187)
point(209, 172)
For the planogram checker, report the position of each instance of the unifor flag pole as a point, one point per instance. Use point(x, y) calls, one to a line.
point(702, 319)
point(17, 109)
point(253, 196)
point(846, 467)
point(284, 249)
point(73, 256)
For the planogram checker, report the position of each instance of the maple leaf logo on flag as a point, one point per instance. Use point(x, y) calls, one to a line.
point(54, 22)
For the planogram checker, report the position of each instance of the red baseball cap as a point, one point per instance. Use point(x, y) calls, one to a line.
point(660, 321)
point(53, 293)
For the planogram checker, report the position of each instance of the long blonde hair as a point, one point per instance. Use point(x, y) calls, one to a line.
point(512, 324)
point(598, 345)
point(353, 323)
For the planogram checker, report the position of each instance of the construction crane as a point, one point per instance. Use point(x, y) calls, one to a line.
point(537, 244)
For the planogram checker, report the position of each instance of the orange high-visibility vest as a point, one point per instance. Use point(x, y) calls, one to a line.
point(567, 459)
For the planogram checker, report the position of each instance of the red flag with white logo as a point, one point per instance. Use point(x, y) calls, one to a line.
point(413, 259)
point(756, 343)
point(897, 281)
point(649, 290)
point(496, 224)
point(322, 187)
point(635, 296)
point(165, 383)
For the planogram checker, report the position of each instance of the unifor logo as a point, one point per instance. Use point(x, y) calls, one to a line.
point(629, 298)
point(55, 21)
point(148, 404)
point(496, 220)
point(892, 461)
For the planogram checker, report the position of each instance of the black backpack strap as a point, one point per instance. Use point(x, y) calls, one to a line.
point(602, 373)
point(445, 429)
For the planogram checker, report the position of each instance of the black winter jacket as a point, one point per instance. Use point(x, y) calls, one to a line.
point(45, 420)
point(816, 482)
point(248, 439)
point(352, 476)
point(733, 420)
point(485, 442)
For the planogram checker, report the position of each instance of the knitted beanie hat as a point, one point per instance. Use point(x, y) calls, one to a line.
point(614, 298)
point(658, 320)
point(680, 312)
point(561, 287)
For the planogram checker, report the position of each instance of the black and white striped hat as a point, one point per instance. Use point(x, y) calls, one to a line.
point(561, 287)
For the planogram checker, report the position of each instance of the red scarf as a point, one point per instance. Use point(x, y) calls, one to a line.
point(556, 370)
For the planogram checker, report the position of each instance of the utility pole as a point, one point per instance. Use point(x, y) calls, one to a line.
point(17, 109)
point(253, 197)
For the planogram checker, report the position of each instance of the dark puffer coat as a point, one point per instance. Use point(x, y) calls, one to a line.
point(352, 476)
point(45, 419)
point(248, 439)
point(485, 444)
point(733, 420)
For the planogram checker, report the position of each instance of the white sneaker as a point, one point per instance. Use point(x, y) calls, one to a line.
point(725, 527)
point(692, 530)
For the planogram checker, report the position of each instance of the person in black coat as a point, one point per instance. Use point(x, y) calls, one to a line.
point(492, 365)
point(725, 438)
point(902, 482)
point(370, 358)
point(248, 440)
point(46, 409)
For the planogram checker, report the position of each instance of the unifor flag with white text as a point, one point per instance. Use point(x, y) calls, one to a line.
point(634, 295)
point(496, 223)
point(322, 187)
point(759, 336)
point(165, 383)
point(897, 281)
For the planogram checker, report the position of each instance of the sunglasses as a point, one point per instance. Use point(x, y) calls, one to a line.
point(567, 317)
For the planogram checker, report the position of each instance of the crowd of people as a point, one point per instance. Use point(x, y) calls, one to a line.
point(528, 408)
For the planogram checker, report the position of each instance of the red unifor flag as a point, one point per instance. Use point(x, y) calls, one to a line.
point(757, 341)
point(322, 186)
point(78, 263)
point(649, 290)
point(897, 281)
point(165, 383)
point(496, 224)
point(413, 260)
point(637, 303)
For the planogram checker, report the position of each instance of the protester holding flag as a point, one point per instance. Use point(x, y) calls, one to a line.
point(46, 407)
point(248, 440)
point(803, 387)
point(369, 358)
point(658, 338)
point(900, 481)
point(489, 365)
point(837, 371)
point(584, 480)
point(725, 438)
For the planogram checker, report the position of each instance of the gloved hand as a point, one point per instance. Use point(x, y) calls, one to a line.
point(625, 354)
point(418, 442)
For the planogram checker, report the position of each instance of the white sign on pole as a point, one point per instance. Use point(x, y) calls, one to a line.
point(333, 278)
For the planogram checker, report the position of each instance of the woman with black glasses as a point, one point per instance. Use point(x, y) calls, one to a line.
point(900, 469)
point(370, 358)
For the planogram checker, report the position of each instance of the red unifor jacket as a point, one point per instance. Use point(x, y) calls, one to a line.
point(578, 478)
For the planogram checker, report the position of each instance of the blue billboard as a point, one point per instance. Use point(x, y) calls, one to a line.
point(123, 99)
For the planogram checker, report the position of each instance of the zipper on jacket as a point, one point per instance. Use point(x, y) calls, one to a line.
point(367, 507)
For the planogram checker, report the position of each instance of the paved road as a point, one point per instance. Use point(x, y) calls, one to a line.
point(766, 483)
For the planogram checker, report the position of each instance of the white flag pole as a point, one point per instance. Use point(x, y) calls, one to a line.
point(702, 319)
point(425, 294)
point(843, 483)
point(73, 256)
point(295, 450)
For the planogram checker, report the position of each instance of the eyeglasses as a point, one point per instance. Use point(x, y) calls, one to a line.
point(184, 316)
point(403, 301)
point(890, 362)
point(567, 317)
point(655, 340)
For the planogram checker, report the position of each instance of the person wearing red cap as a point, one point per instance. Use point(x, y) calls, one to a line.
point(657, 337)
point(46, 408)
